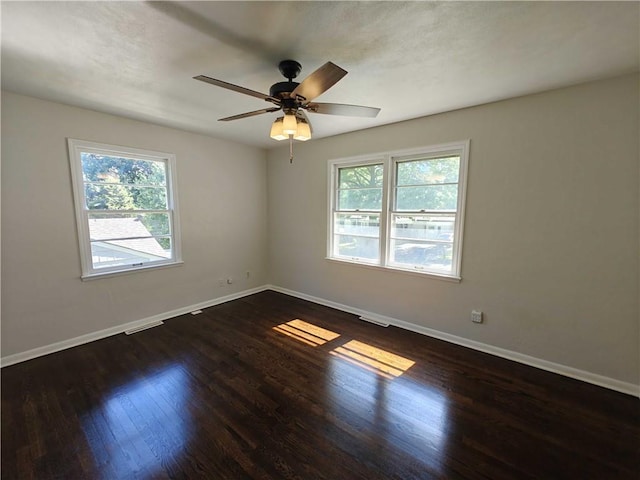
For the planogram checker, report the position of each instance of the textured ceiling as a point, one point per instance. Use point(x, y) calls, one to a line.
point(411, 59)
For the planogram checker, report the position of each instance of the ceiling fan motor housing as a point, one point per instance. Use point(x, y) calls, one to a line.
point(290, 69)
point(282, 90)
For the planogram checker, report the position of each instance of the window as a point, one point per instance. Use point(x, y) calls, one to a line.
point(125, 208)
point(401, 210)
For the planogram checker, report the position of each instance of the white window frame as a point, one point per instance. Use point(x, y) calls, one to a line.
point(76, 148)
point(389, 161)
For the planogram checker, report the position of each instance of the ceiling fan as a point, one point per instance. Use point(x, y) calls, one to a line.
point(295, 98)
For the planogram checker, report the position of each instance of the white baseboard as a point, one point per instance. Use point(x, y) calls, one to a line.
point(607, 382)
point(107, 332)
point(600, 380)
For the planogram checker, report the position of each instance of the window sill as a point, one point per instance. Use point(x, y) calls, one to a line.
point(117, 273)
point(435, 276)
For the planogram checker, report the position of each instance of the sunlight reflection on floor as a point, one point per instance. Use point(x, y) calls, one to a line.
point(366, 387)
point(147, 421)
point(410, 417)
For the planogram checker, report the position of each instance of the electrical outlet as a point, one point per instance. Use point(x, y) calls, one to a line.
point(476, 316)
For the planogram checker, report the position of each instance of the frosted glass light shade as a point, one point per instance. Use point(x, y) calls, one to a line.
point(290, 124)
point(276, 130)
point(304, 131)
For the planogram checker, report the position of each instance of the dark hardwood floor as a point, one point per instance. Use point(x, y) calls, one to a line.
point(273, 387)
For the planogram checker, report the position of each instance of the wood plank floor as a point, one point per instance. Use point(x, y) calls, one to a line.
point(273, 387)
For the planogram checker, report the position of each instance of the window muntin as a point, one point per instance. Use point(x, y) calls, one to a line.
point(125, 207)
point(421, 229)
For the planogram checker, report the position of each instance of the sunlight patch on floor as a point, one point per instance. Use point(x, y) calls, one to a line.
point(306, 332)
point(373, 359)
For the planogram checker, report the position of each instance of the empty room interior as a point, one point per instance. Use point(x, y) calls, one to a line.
point(320, 240)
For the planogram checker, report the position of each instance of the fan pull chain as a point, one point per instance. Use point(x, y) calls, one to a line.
point(290, 148)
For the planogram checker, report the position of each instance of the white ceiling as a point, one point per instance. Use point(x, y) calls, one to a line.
point(412, 59)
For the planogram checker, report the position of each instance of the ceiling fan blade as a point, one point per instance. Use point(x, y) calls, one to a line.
point(249, 114)
point(319, 81)
point(236, 88)
point(341, 109)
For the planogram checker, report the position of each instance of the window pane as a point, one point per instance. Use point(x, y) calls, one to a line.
point(124, 197)
point(103, 168)
point(427, 255)
point(428, 172)
point(423, 227)
point(357, 235)
point(428, 197)
point(356, 247)
point(359, 177)
point(357, 224)
point(128, 252)
point(360, 199)
point(122, 225)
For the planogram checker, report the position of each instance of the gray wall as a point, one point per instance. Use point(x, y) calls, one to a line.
point(222, 195)
point(551, 236)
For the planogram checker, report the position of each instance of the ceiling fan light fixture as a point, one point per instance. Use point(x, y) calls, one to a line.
point(277, 132)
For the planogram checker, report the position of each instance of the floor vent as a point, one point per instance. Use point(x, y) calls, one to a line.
point(144, 327)
point(376, 322)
